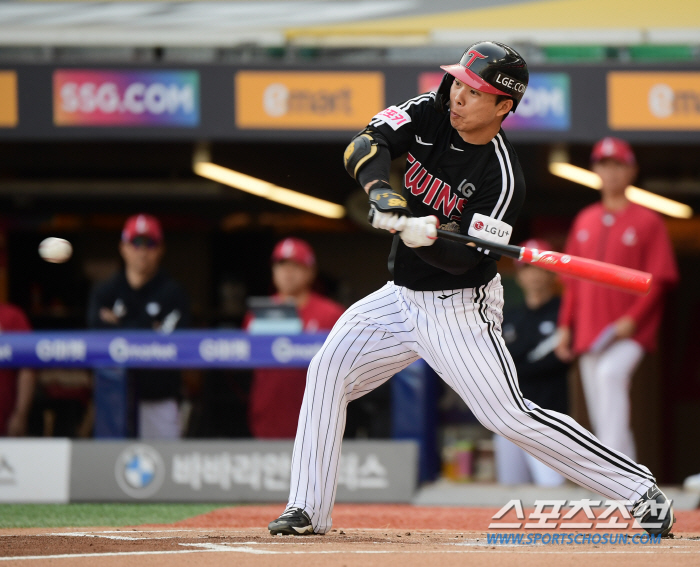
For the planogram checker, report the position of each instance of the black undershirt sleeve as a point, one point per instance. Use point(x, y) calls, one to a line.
point(453, 257)
point(376, 168)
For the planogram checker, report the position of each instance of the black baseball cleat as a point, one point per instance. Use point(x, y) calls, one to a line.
point(654, 512)
point(293, 522)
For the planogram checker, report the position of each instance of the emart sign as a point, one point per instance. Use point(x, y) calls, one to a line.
point(654, 101)
point(291, 100)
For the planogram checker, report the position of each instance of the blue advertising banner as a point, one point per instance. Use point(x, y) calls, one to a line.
point(546, 104)
point(108, 97)
point(146, 349)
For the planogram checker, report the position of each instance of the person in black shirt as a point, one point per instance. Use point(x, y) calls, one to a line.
point(142, 296)
point(529, 331)
point(445, 301)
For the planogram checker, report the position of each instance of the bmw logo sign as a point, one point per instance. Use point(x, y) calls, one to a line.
point(140, 471)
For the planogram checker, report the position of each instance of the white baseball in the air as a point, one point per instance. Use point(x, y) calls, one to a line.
point(55, 250)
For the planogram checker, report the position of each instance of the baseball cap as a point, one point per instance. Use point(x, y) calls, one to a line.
point(296, 250)
point(491, 67)
point(613, 148)
point(142, 225)
point(538, 243)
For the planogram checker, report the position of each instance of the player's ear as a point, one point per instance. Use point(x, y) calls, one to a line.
point(504, 107)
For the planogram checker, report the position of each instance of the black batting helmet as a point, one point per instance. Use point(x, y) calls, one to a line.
point(487, 66)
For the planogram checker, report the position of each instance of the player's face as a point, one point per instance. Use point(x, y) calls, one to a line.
point(616, 176)
point(141, 255)
point(474, 111)
point(292, 278)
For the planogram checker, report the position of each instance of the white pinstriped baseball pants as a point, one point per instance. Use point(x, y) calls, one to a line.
point(460, 338)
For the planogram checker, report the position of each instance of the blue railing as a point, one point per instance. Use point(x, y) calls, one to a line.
point(148, 349)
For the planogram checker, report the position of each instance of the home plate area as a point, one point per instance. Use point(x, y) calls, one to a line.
point(234, 536)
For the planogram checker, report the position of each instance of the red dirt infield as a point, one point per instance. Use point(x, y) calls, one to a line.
point(364, 535)
point(394, 516)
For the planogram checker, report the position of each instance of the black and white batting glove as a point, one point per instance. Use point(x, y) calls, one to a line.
point(384, 202)
point(420, 231)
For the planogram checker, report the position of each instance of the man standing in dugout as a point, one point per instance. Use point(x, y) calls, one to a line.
point(142, 296)
point(445, 301)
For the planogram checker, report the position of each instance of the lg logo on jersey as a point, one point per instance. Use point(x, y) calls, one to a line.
point(466, 189)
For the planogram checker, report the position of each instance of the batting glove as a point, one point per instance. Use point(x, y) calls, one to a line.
point(388, 221)
point(421, 231)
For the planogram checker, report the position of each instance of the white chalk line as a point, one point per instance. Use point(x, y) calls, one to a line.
point(248, 549)
point(97, 533)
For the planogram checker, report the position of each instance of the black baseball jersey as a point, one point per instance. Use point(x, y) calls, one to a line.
point(160, 304)
point(531, 338)
point(480, 187)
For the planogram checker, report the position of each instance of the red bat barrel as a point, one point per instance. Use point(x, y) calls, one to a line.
point(592, 270)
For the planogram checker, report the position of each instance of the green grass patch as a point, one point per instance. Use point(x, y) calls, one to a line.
point(76, 515)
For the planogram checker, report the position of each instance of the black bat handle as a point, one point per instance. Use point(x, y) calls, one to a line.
point(505, 249)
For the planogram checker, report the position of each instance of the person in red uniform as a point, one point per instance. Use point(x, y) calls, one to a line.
point(16, 386)
point(276, 394)
point(610, 329)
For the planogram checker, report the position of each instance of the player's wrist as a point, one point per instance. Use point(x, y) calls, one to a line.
point(379, 185)
point(376, 184)
point(383, 199)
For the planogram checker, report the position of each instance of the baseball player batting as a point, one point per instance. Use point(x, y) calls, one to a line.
point(445, 302)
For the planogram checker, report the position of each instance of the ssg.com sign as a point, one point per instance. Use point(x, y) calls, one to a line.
point(126, 98)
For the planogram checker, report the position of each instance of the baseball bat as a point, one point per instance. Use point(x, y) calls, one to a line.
point(611, 275)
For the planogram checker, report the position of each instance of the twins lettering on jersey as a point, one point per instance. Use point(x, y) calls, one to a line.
point(438, 194)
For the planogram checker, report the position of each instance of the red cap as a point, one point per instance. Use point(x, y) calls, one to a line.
point(613, 148)
point(142, 225)
point(296, 250)
point(537, 243)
